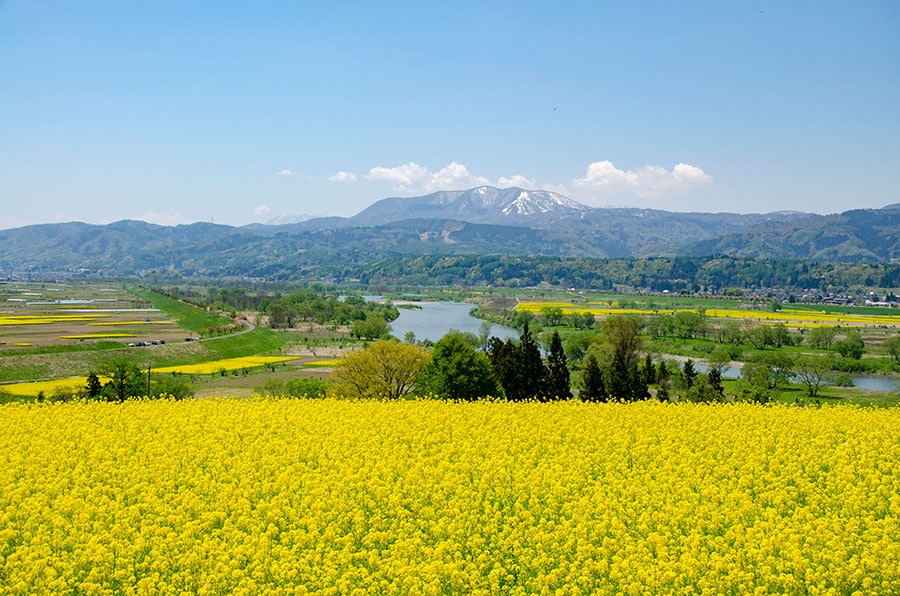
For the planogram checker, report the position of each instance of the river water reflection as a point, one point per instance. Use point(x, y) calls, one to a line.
point(435, 319)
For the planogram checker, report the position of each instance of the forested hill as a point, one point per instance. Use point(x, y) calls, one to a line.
point(853, 236)
point(341, 248)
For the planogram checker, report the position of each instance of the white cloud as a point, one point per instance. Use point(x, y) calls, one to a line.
point(262, 210)
point(343, 176)
point(647, 182)
point(601, 177)
point(411, 177)
point(162, 219)
point(285, 172)
point(516, 180)
point(60, 217)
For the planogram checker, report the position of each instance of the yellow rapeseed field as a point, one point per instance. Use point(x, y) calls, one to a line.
point(793, 316)
point(260, 496)
point(97, 336)
point(35, 388)
point(225, 364)
point(11, 320)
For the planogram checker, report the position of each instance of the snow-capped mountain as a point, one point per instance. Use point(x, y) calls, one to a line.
point(484, 204)
point(285, 219)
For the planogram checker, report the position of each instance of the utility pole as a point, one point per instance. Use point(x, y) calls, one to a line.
point(148, 380)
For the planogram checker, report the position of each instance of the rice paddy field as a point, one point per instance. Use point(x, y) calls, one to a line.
point(255, 496)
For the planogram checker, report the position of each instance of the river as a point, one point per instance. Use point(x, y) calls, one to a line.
point(435, 319)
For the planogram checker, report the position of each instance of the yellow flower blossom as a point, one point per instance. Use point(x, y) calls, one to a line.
point(282, 496)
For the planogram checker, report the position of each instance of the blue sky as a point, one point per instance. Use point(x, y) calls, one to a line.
point(175, 112)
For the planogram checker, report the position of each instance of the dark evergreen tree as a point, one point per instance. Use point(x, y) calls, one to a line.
point(505, 364)
point(689, 373)
point(558, 383)
point(592, 386)
point(662, 381)
point(93, 387)
point(715, 381)
point(532, 369)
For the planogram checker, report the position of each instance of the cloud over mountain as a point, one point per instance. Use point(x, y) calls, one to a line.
point(648, 181)
point(601, 178)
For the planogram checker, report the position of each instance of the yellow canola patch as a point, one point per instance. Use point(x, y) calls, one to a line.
point(113, 323)
point(6, 320)
point(796, 317)
point(424, 497)
point(34, 388)
point(226, 364)
point(315, 363)
point(97, 336)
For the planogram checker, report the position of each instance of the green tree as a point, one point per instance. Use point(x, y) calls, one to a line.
point(760, 336)
point(455, 370)
point(781, 368)
point(812, 372)
point(719, 359)
point(703, 390)
point(781, 336)
point(689, 324)
point(558, 382)
point(821, 337)
point(553, 315)
point(373, 327)
point(504, 357)
point(93, 387)
point(174, 386)
point(582, 320)
point(619, 353)
point(592, 386)
point(892, 345)
point(730, 332)
point(852, 346)
point(386, 369)
point(534, 374)
point(714, 377)
point(663, 381)
point(577, 344)
point(688, 373)
point(125, 380)
point(518, 366)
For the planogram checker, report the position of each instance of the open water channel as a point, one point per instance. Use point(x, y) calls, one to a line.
point(435, 319)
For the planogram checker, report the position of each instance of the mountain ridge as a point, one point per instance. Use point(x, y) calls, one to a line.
point(478, 221)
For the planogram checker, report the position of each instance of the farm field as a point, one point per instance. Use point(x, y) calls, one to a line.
point(65, 315)
point(296, 496)
point(57, 333)
point(792, 317)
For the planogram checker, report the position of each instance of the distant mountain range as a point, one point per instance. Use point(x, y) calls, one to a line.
point(483, 220)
